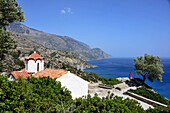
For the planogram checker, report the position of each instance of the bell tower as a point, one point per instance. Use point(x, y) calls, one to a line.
point(34, 63)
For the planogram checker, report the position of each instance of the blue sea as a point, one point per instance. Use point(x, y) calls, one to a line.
point(121, 67)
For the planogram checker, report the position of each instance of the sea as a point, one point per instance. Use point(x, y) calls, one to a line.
point(121, 67)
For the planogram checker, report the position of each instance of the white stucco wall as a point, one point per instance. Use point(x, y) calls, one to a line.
point(32, 65)
point(42, 65)
point(75, 84)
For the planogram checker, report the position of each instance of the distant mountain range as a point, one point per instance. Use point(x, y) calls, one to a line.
point(56, 42)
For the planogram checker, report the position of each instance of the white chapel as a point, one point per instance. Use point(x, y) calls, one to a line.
point(34, 65)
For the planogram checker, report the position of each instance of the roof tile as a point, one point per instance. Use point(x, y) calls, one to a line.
point(34, 56)
point(22, 73)
point(53, 73)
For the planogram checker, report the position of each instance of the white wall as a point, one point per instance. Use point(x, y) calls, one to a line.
point(75, 84)
point(32, 65)
point(42, 65)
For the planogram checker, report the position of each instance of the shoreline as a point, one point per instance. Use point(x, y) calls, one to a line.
point(117, 67)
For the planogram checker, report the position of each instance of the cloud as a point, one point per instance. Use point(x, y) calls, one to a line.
point(66, 11)
point(63, 11)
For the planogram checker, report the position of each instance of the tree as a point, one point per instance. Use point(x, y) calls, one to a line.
point(6, 42)
point(149, 67)
point(10, 11)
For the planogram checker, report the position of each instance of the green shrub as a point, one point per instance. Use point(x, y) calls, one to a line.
point(85, 75)
point(45, 95)
point(33, 52)
point(19, 62)
point(1, 67)
point(109, 104)
point(53, 54)
point(111, 81)
point(118, 88)
point(33, 95)
point(151, 95)
point(15, 54)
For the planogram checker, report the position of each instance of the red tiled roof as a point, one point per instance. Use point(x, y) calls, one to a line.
point(22, 73)
point(34, 56)
point(53, 73)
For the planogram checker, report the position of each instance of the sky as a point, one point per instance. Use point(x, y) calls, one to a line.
point(122, 28)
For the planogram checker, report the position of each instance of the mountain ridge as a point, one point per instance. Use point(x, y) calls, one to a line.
point(55, 59)
point(57, 42)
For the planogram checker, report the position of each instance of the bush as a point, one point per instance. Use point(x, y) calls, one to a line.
point(85, 75)
point(151, 95)
point(33, 52)
point(1, 67)
point(19, 62)
point(33, 95)
point(53, 54)
point(15, 54)
point(111, 81)
point(46, 95)
point(118, 88)
point(109, 104)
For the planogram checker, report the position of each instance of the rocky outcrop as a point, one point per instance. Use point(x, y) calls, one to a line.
point(98, 52)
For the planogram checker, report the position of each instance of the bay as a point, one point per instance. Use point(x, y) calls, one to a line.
point(121, 67)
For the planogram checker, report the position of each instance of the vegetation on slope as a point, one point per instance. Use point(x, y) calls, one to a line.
point(111, 81)
point(46, 95)
point(151, 95)
point(26, 46)
point(33, 95)
point(12, 62)
point(10, 11)
point(109, 104)
point(93, 77)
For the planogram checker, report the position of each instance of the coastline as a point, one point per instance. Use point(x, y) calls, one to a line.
point(121, 67)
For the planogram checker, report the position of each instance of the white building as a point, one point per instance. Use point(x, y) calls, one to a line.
point(34, 65)
point(77, 85)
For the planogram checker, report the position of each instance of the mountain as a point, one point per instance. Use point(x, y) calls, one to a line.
point(57, 42)
point(56, 59)
point(25, 45)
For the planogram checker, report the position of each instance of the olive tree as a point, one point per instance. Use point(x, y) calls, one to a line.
point(149, 67)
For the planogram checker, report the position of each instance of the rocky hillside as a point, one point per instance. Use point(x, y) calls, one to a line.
point(53, 58)
point(57, 42)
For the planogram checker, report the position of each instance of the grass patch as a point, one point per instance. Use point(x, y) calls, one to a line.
point(111, 81)
point(150, 95)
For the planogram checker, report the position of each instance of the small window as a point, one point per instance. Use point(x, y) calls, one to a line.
point(38, 67)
